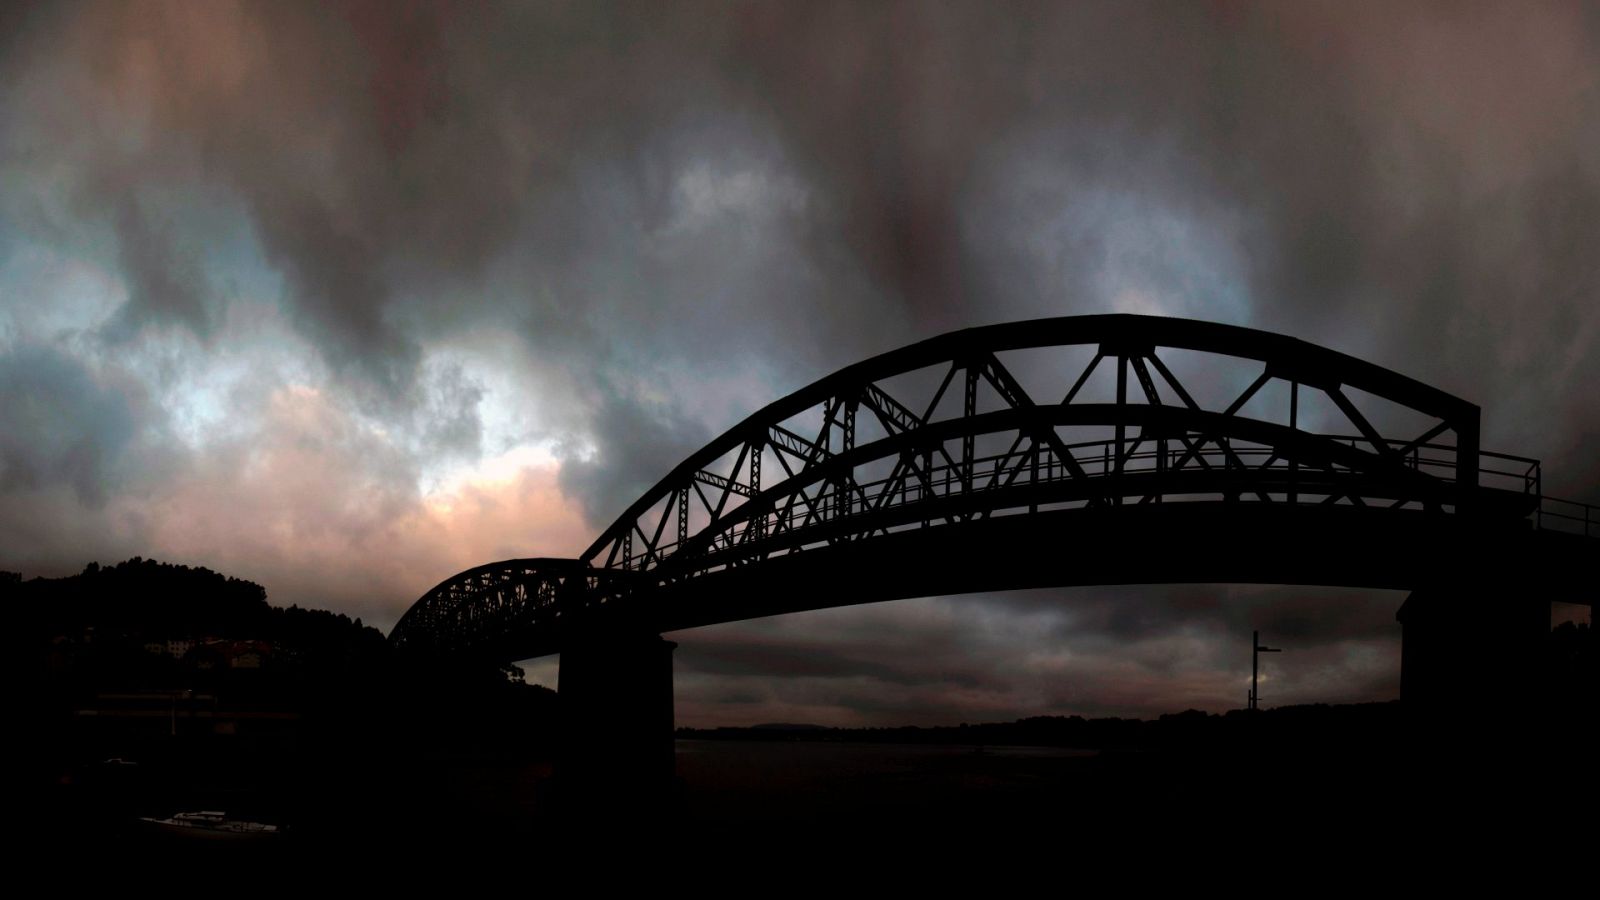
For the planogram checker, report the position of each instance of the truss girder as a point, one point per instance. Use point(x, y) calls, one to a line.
point(479, 605)
point(819, 474)
point(850, 458)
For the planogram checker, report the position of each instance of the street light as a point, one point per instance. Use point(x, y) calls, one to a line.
point(1255, 665)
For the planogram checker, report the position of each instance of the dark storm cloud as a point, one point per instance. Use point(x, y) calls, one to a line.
point(62, 424)
point(798, 659)
point(680, 211)
point(1124, 650)
point(395, 166)
point(633, 440)
point(390, 159)
point(1124, 613)
point(448, 418)
point(164, 284)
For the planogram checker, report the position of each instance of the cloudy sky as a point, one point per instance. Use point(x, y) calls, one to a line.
point(346, 297)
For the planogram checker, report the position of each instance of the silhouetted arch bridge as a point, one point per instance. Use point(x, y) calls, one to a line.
point(1069, 451)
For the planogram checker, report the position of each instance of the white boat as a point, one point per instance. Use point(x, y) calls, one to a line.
point(211, 824)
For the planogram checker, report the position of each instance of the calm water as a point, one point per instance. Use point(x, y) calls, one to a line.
point(754, 789)
point(734, 781)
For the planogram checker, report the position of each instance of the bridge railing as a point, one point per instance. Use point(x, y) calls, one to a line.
point(1495, 470)
point(1508, 472)
point(1260, 473)
point(1505, 471)
point(1568, 515)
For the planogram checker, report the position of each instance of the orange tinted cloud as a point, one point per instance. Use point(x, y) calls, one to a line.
point(325, 510)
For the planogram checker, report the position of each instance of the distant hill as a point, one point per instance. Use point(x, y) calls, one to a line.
point(787, 726)
point(192, 673)
point(1352, 722)
point(139, 601)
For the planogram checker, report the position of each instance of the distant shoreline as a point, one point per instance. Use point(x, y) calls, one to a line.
point(1352, 723)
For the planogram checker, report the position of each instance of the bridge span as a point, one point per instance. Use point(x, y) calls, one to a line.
point(1069, 451)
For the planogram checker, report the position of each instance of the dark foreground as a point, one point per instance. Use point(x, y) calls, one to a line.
point(1316, 790)
point(153, 690)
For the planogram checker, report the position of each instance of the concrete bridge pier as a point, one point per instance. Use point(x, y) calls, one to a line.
point(1474, 651)
point(615, 696)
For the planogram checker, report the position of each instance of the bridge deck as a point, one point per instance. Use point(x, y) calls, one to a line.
point(1337, 546)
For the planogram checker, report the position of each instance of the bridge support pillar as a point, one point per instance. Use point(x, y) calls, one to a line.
point(1473, 650)
point(615, 696)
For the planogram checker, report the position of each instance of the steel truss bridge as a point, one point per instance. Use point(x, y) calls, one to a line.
point(1068, 451)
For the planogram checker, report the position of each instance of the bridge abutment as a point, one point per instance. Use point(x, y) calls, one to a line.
point(615, 696)
point(1473, 650)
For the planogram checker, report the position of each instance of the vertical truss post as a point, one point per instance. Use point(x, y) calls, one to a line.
point(927, 479)
point(969, 408)
point(1230, 491)
point(759, 523)
point(683, 515)
point(1161, 466)
point(1294, 458)
point(1033, 474)
point(844, 500)
point(1466, 428)
point(824, 505)
point(1122, 430)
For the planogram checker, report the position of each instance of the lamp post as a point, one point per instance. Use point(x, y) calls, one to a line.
point(1255, 665)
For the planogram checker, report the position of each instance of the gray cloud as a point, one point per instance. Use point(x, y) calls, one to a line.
point(632, 439)
point(449, 423)
point(1092, 651)
point(62, 425)
point(163, 280)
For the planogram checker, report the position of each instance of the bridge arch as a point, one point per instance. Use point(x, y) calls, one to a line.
point(475, 611)
point(830, 494)
point(716, 500)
